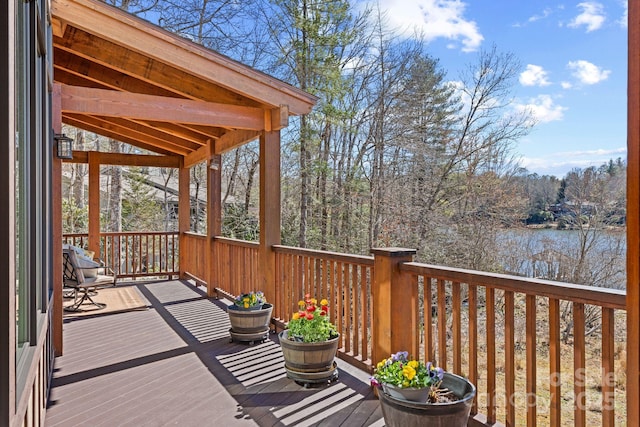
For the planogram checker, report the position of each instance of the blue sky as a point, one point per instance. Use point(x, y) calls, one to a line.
point(574, 58)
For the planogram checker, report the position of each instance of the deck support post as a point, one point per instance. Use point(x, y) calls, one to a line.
point(214, 216)
point(392, 292)
point(94, 202)
point(56, 232)
point(184, 214)
point(633, 216)
point(269, 211)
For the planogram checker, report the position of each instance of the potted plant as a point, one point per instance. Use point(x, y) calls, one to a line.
point(414, 393)
point(310, 342)
point(249, 315)
point(253, 300)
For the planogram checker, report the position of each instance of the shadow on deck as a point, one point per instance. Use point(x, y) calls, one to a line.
point(174, 364)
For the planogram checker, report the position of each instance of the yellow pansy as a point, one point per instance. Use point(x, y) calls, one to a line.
point(408, 372)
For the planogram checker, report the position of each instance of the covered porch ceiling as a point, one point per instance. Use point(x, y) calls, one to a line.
point(127, 79)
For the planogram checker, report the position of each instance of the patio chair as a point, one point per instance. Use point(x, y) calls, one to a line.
point(84, 277)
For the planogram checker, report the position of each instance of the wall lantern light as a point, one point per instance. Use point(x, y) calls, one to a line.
point(215, 163)
point(65, 146)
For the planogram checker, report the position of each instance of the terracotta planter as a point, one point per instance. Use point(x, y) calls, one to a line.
point(308, 357)
point(249, 321)
point(400, 412)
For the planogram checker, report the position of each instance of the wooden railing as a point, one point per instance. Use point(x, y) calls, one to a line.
point(135, 254)
point(80, 240)
point(538, 351)
point(194, 256)
point(344, 280)
point(236, 265)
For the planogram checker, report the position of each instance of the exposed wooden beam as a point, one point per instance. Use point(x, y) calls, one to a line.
point(149, 107)
point(226, 142)
point(121, 159)
point(197, 134)
point(74, 70)
point(196, 157)
point(102, 128)
point(137, 131)
point(279, 118)
point(120, 59)
point(231, 140)
point(124, 29)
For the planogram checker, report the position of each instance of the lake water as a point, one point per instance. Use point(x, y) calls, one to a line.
point(555, 254)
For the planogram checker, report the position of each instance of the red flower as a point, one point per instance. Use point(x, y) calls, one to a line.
point(311, 308)
point(310, 316)
point(323, 313)
point(302, 314)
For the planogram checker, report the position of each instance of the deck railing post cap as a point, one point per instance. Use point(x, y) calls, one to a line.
point(393, 252)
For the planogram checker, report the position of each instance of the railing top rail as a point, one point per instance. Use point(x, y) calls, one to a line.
point(604, 297)
point(237, 242)
point(194, 234)
point(138, 233)
point(334, 256)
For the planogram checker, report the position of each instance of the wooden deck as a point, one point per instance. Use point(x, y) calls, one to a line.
point(174, 364)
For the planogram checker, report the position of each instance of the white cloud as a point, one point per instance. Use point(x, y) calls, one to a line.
point(543, 108)
point(545, 13)
point(592, 16)
point(624, 20)
point(588, 73)
point(560, 163)
point(434, 19)
point(566, 85)
point(597, 152)
point(534, 75)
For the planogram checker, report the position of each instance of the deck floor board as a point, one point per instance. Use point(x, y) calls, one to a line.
point(174, 364)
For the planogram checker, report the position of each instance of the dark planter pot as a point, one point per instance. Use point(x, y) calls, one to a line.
point(308, 357)
point(249, 321)
point(399, 412)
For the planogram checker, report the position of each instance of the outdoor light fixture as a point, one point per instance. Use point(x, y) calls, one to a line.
point(65, 146)
point(215, 164)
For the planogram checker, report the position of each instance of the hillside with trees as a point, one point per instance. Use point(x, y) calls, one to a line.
point(397, 152)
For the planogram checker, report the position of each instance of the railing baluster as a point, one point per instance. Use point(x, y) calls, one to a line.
point(532, 332)
point(473, 341)
point(428, 319)
point(607, 381)
point(579, 373)
point(442, 325)
point(509, 358)
point(457, 324)
point(340, 299)
point(554, 363)
point(490, 321)
point(364, 303)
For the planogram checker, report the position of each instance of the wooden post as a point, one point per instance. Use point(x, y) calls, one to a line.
point(56, 232)
point(214, 216)
point(94, 202)
point(633, 217)
point(395, 298)
point(269, 210)
point(184, 214)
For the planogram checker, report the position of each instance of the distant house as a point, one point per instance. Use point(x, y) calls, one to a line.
point(573, 209)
